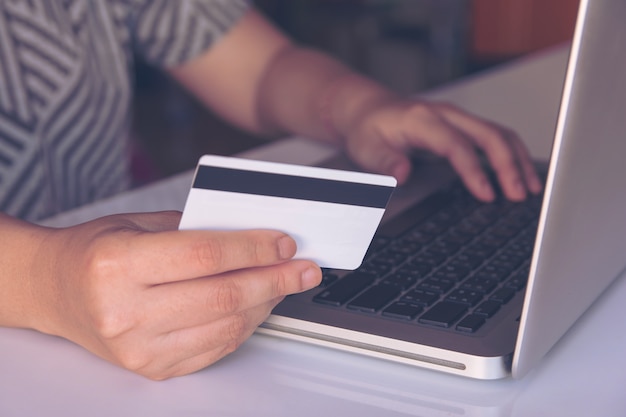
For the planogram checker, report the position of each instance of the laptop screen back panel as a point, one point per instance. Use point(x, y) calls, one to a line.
point(581, 244)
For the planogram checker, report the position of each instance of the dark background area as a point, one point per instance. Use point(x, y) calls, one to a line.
point(408, 45)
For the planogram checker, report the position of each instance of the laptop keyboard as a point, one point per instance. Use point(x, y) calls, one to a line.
point(450, 262)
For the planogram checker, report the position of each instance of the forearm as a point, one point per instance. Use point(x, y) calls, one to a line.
point(308, 93)
point(257, 79)
point(19, 247)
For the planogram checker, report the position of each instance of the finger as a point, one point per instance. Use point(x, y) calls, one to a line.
point(467, 164)
point(515, 170)
point(190, 365)
point(223, 336)
point(379, 157)
point(505, 151)
point(528, 168)
point(443, 139)
point(181, 255)
point(188, 350)
point(196, 302)
point(505, 164)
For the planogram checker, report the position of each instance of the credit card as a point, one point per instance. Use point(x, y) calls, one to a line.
point(331, 214)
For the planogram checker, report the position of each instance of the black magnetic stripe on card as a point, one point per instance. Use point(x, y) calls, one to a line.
point(292, 186)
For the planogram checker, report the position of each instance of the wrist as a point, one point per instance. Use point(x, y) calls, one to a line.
point(347, 100)
point(21, 284)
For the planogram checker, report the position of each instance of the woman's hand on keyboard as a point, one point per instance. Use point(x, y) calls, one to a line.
point(381, 137)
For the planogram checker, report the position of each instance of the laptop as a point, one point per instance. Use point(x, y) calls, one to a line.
point(486, 290)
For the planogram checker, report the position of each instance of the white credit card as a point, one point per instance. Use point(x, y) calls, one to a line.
point(331, 214)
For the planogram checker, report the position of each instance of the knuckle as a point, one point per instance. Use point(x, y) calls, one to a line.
point(423, 111)
point(231, 347)
point(457, 150)
point(262, 247)
point(492, 135)
point(209, 254)
point(156, 376)
point(259, 250)
point(228, 297)
point(280, 284)
point(495, 135)
point(445, 106)
point(236, 329)
point(100, 277)
point(505, 158)
point(100, 262)
point(108, 324)
point(135, 360)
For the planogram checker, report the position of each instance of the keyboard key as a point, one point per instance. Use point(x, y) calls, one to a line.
point(390, 257)
point(504, 230)
point(524, 214)
point(488, 308)
point(443, 314)
point(432, 228)
point(436, 285)
point(489, 213)
point(406, 247)
point(521, 248)
point(483, 285)
point(417, 269)
point(445, 217)
point(402, 310)
point(507, 258)
point(328, 278)
point(503, 295)
point(458, 237)
point(376, 268)
point(378, 242)
point(418, 237)
point(479, 250)
point(374, 298)
point(344, 289)
point(493, 272)
point(452, 272)
point(467, 260)
point(445, 247)
point(517, 282)
point(492, 241)
point(466, 297)
point(421, 297)
point(430, 257)
point(471, 226)
point(470, 323)
point(402, 280)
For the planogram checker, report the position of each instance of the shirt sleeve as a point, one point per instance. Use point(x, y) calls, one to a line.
point(167, 33)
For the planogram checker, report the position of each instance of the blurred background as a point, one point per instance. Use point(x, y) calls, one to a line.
point(408, 45)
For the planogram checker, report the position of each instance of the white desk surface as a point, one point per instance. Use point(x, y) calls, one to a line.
point(584, 375)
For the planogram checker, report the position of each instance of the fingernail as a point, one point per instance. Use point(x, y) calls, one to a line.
point(311, 278)
point(286, 247)
point(537, 186)
point(487, 189)
point(398, 168)
point(519, 188)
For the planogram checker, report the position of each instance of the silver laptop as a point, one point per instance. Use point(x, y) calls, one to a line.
point(481, 290)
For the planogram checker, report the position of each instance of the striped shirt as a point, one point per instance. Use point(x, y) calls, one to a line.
point(66, 88)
